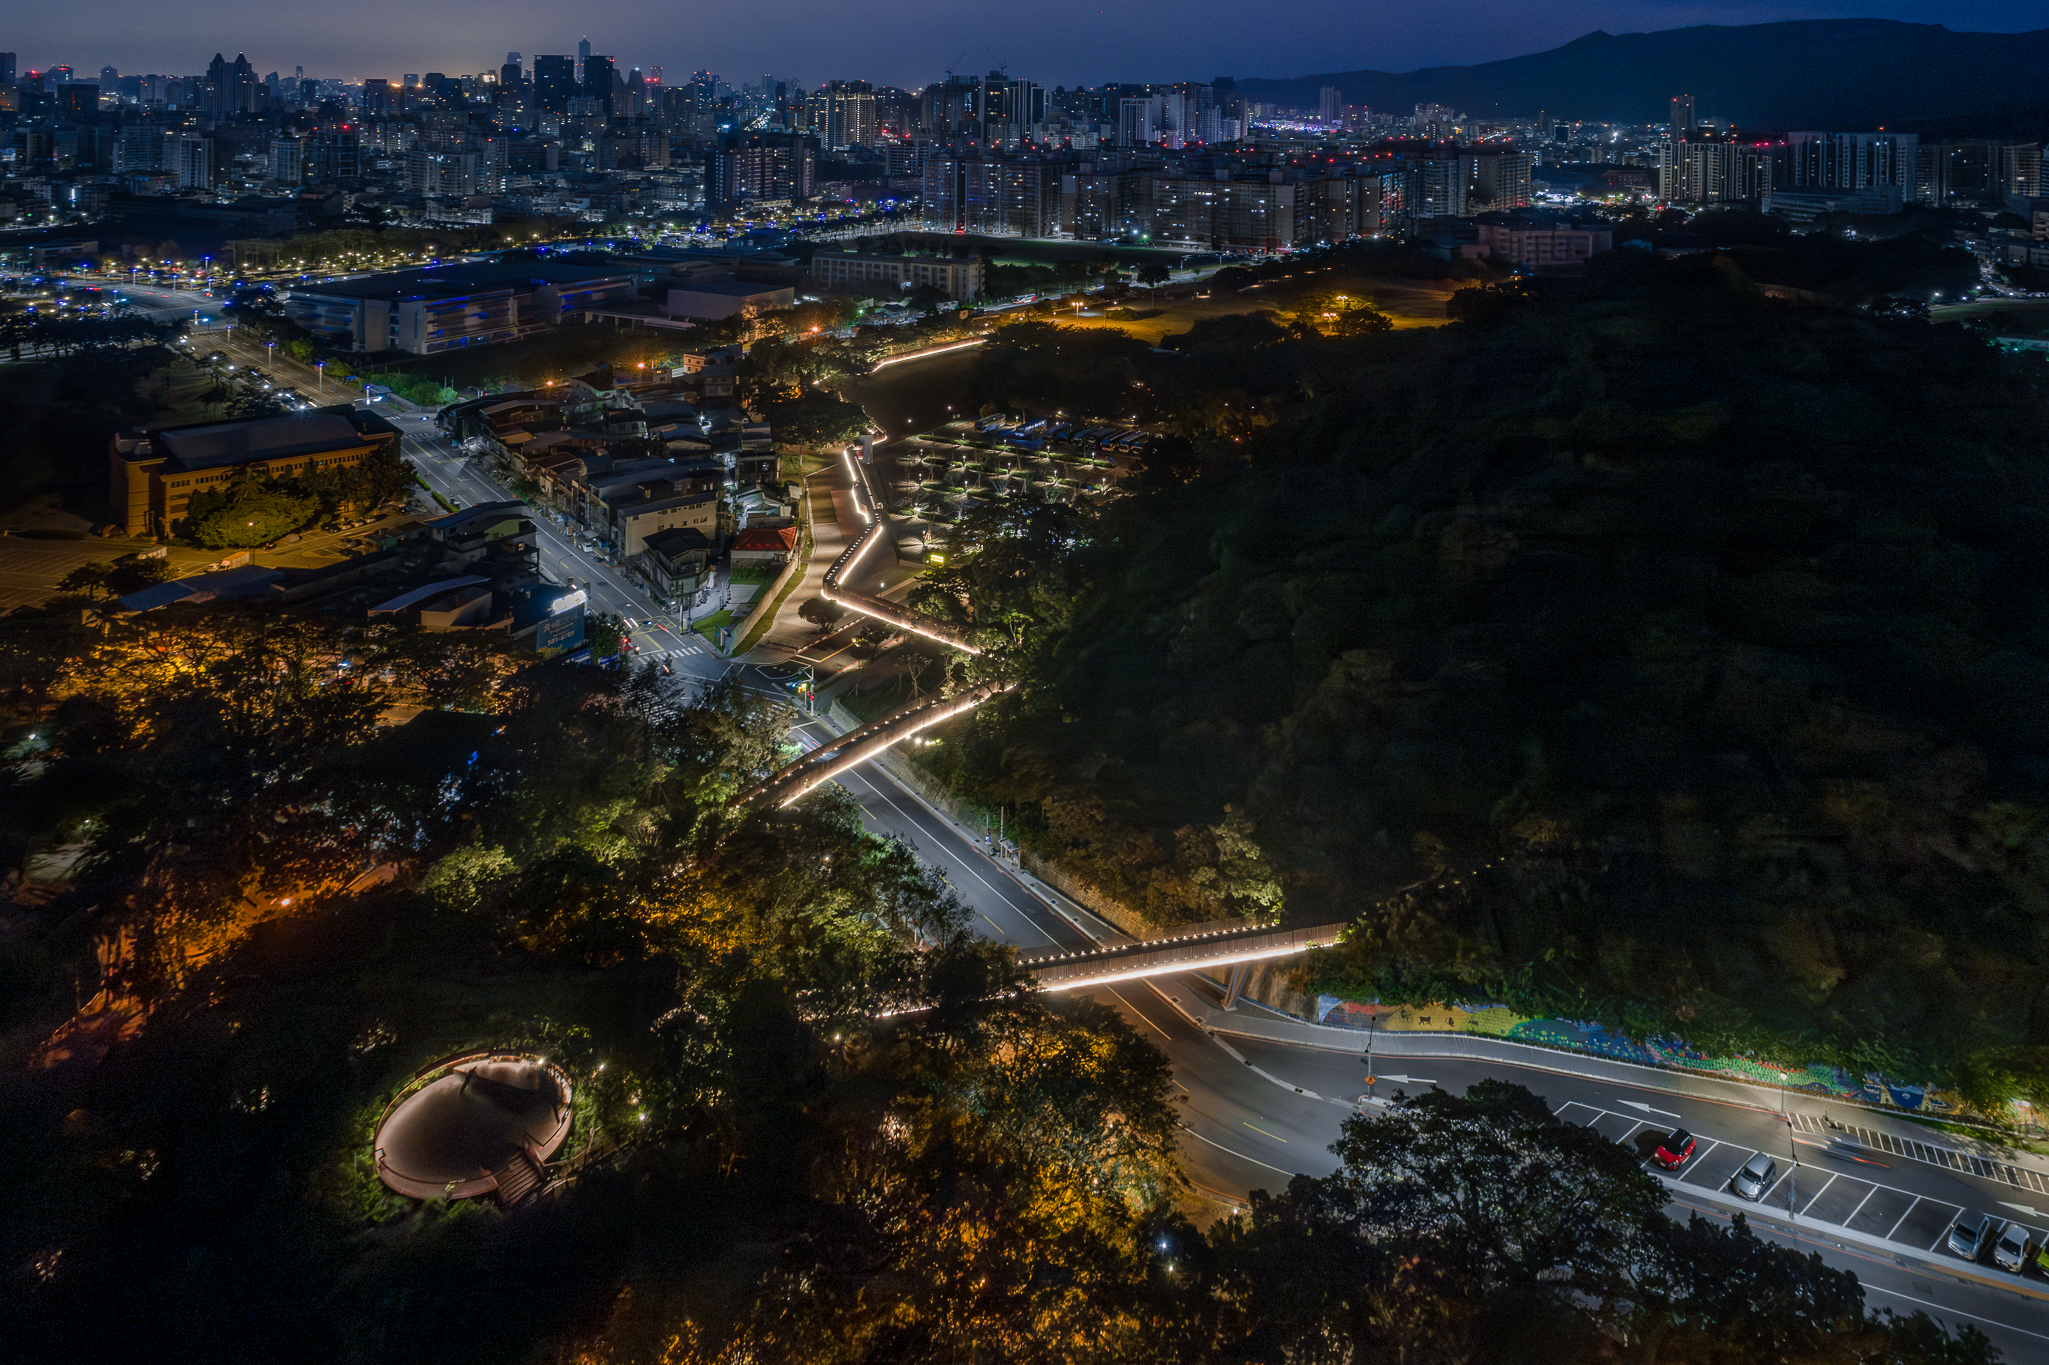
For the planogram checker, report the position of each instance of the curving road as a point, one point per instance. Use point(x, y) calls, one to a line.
point(1258, 1110)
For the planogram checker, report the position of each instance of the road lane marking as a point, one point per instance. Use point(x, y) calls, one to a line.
point(1257, 1129)
point(1240, 1155)
point(994, 925)
point(1953, 1312)
point(1141, 1014)
point(959, 862)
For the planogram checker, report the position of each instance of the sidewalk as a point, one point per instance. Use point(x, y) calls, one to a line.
point(789, 633)
point(1797, 1225)
point(1868, 1128)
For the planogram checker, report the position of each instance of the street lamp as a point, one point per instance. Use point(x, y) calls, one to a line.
point(1372, 1022)
point(320, 369)
point(1793, 1156)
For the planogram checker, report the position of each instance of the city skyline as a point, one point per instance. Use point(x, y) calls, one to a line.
point(1311, 36)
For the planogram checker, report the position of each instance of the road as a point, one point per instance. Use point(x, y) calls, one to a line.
point(457, 478)
point(1257, 1113)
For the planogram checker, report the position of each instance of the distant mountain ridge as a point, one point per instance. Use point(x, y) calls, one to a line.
point(1808, 73)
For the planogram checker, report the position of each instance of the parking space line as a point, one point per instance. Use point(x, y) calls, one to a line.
point(1820, 1192)
point(1774, 1186)
point(1944, 1233)
point(1860, 1206)
point(1903, 1217)
point(1700, 1155)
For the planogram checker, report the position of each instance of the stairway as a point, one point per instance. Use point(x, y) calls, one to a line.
point(518, 1179)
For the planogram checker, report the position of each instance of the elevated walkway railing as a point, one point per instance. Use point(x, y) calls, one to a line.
point(796, 780)
point(917, 622)
point(856, 747)
point(1162, 957)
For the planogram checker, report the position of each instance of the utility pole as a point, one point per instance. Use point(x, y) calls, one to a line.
point(1792, 1155)
point(1372, 1024)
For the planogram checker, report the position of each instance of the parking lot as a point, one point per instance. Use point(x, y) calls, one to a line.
point(30, 566)
point(1857, 1203)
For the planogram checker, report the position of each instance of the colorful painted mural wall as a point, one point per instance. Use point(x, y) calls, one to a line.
point(1497, 1021)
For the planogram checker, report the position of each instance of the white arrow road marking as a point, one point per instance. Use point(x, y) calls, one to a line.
point(2022, 1207)
point(1638, 1104)
point(1407, 1080)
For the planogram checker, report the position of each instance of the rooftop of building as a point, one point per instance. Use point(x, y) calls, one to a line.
point(768, 538)
point(678, 540)
point(426, 592)
point(248, 582)
point(484, 514)
point(731, 289)
point(649, 502)
point(207, 445)
point(456, 279)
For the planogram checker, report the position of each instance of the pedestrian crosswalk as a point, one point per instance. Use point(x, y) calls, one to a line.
point(689, 645)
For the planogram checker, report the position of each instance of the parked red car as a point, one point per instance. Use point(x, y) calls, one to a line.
point(1674, 1149)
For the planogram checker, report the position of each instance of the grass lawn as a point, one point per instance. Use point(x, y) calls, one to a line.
point(876, 702)
point(1411, 303)
point(707, 625)
point(560, 353)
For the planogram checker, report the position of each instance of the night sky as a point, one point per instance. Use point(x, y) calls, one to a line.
point(903, 42)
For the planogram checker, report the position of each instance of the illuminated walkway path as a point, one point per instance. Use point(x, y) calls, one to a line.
point(829, 760)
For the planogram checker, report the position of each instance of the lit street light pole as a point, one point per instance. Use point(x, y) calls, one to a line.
point(1793, 1156)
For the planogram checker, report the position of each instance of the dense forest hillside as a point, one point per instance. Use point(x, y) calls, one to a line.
point(1645, 649)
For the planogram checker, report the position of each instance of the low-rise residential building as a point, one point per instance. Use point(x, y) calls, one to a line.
point(765, 545)
point(633, 520)
point(496, 538)
point(155, 472)
point(677, 562)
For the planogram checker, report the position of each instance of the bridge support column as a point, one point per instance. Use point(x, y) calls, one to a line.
point(1237, 984)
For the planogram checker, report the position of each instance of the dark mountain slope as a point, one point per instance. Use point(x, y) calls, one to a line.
point(1814, 73)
